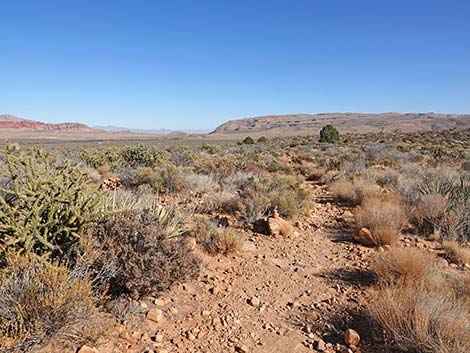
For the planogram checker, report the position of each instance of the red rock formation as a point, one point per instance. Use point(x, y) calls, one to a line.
point(13, 122)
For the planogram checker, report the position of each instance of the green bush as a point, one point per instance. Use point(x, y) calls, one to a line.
point(248, 141)
point(44, 206)
point(329, 134)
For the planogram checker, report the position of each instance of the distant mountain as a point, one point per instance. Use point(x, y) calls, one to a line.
point(138, 131)
point(150, 131)
point(308, 124)
point(8, 121)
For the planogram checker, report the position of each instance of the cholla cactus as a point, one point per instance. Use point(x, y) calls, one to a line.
point(44, 207)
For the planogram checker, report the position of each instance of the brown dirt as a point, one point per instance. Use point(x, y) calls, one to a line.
point(308, 286)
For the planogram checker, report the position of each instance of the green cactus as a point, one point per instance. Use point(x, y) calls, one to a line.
point(44, 206)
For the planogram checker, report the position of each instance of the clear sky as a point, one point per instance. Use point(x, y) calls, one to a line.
point(196, 63)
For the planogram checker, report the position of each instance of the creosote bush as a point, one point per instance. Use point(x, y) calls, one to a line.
point(147, 260)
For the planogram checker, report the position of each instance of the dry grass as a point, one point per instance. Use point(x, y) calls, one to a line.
point(428, 213)
point(422, 320)
point(223, 201)
point(403, 265)
point(353, 191)
point(457, 253)
point(420, 307)
point(40, 301)
point(216, 240)
point(383, 216)
point(225, 242)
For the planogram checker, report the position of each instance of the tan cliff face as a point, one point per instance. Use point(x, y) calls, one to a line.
point(13, 122)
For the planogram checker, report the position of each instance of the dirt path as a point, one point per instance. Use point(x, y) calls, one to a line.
point(278, 295)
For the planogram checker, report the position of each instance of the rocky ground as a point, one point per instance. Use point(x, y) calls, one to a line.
point(279, 294)
point(296, 294)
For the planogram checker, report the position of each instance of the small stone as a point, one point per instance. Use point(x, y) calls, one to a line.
point(351, 337)
point(348, 214)
point(205, 313)
point(86, 349)
point(159, 302)
point(155, 315)
point(128, 338)
point(145, 338)
point(255, 301)
point(173, 310)
point(364, 236)
point(158, 338)
point(191, 336)
point(241, 349)
point(214, 290)
point(319, 345)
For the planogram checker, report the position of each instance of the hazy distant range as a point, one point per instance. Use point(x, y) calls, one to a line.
point(150, 131)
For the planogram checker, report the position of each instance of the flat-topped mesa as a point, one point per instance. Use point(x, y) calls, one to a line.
point(311, 124)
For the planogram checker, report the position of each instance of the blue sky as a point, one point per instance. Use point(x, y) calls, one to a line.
point(194, 64)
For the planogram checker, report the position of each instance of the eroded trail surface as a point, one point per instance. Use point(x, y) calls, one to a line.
point(278, 295)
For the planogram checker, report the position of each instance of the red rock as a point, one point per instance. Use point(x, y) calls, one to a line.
point(364, 236)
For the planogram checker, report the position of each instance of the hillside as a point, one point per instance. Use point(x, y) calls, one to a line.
point(12, 122)
point(308, 124)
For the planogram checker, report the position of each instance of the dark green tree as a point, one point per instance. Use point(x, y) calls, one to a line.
point(248, 141)
point(329, 134)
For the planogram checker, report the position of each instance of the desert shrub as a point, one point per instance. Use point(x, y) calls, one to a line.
point(428, 213)
point(239, 181)
point(456, 190)
point(329, 134)
point(218, 166)
point(315, 174)
point(199, 183)
point(422, 320)
point(44, 207)
point(169, 179)
point(456, 252)
point(208, 148)
point(165, 179)
point(403, 265)
point(285, 193)
point(262, 139)
point(383, 216)
point(419, 306)
point(384, 177)
point(216, 240)
point(221, 201)
point(353, 191)
point(40, 301)
point(169, 217)
point(140, 155)
point(248, 141)
point(183, 156)
point(148, 261)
